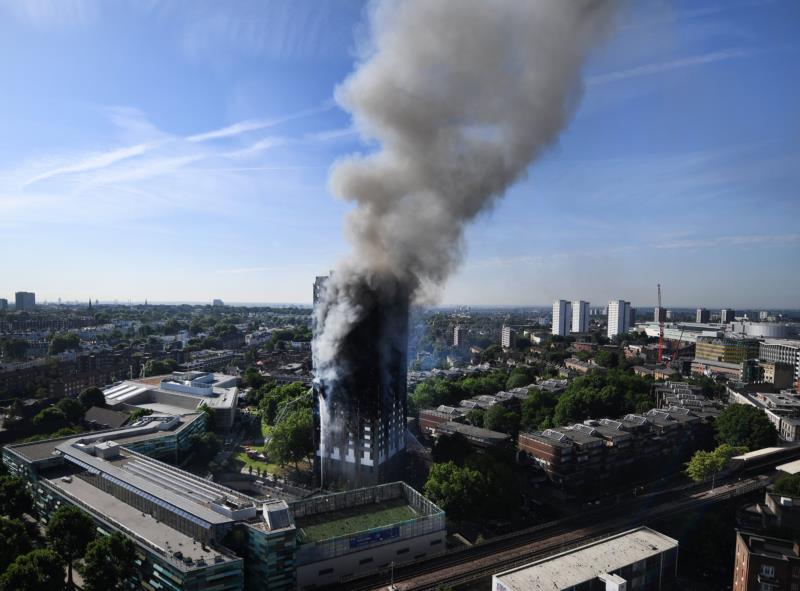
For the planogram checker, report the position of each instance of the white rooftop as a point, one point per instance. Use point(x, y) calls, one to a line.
point(586, 563)
point(790, 468)
point(751, 455)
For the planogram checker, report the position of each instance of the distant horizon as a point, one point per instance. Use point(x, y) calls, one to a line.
point(235, 304)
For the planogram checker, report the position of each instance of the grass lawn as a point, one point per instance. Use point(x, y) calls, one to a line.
point(242, 461)
point(324, 526)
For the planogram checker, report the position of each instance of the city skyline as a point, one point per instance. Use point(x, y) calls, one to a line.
point(194, 166)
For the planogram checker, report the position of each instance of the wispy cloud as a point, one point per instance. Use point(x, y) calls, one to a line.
point(736, 240)
point(669, 66)
point(242, 127)
point(93, 162)
point(134, 124)
point(52, 13)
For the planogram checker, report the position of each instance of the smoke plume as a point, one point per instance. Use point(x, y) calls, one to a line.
point(460, 96)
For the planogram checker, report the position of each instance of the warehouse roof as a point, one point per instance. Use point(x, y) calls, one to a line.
point(586, 563)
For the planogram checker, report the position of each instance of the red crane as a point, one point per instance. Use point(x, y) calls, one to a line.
point(660, 327)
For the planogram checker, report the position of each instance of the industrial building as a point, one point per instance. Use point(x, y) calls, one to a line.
point(192, 534)
point(639, 559)
point(179, 393)
point(782, 351)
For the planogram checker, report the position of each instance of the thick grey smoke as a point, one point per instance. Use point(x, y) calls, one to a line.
point(461, 96)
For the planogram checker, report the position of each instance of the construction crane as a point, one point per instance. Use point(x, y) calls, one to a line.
point(660, 328)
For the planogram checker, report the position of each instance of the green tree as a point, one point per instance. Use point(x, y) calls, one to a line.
point(92, 397)
point(71, 408)
point(521, 376)
point(39, 570)
point(707, 464)
point(253, 378)
point(476, 417)
point(606, 358)
point(745, 425)
point(208, 416)
point(503, 420)
point(15, 349)
point(537, 408)
point(109, 563)
point(458, 490)
point(15, 500)
point(451, 448)
point(603, 394)
point(69, 532)
point(205, 447)
point(50, 418)
point(159, 367)
point(787, 484)
point(63, 341)
point(276, 400)
point(292, 439)
point(14, 541)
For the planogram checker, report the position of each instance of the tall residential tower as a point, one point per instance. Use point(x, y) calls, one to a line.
point(561, 317)
point(580, 316)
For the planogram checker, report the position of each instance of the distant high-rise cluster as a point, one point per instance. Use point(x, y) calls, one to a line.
point(702, 316)
point(727, 315)
point(570, 317)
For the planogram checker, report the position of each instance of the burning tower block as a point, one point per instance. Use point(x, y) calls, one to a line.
point(360, 392)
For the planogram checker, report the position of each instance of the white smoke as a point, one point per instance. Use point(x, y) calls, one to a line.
point(461, 96)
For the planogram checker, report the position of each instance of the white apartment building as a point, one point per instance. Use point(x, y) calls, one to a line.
point(507, 337)
point(618, 317)
point(580, 316)
point(561, 317)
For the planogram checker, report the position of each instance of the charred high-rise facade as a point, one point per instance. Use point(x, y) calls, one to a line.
point(360, 398)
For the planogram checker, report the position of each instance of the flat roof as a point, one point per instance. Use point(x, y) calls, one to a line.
point(350, 520)
point(586, 563)
point(148, 528)
point(790, 468)
point(758, 453)
point(471, 431)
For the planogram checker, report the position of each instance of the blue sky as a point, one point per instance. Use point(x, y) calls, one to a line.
point(179, 151)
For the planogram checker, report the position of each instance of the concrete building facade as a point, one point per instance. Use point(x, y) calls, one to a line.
point(562, 316)
point(618, 317)
point(24, 301)
point(580, 316)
